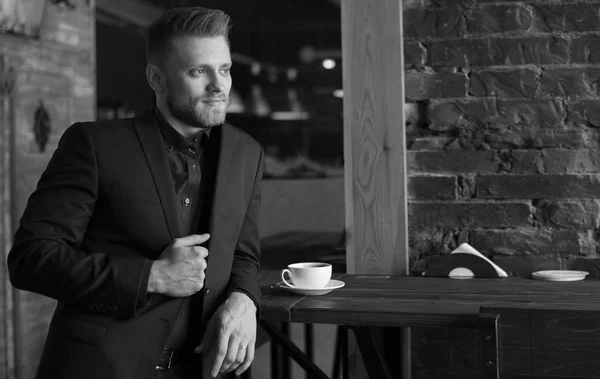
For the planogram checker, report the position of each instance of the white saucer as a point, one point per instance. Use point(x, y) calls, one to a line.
point(332, 285)
point(559, 275)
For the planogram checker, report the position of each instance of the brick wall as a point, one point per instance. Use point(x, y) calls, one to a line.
point(58, 69)
point(503, 147)
point(503, 99)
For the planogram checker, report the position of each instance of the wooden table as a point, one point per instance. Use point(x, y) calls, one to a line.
point(537, 327)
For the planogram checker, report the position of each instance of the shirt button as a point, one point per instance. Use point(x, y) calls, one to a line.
point(170, 148)
point(191, 150)
point(187, 201)
point(193, 167)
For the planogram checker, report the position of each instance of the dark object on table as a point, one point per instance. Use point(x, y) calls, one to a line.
point(474, 265)
point(464, 263)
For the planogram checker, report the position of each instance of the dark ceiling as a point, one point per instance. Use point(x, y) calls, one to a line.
point(275, 30)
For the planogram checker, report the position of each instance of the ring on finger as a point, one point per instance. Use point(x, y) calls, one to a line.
point(240, 359)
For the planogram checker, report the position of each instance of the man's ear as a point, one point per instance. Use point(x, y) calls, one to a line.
point(155, 78)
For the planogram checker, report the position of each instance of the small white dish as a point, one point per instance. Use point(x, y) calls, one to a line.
point(332, 285)
point(559, 275)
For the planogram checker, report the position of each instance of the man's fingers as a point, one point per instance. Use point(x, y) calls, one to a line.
point(247, 361)
point(200, 348)
point(220, 352)
point(234, 350)
point(201, 251)
point(239, 359)
point(192, 240)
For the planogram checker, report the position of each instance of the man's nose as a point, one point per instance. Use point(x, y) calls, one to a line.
point(216, 84)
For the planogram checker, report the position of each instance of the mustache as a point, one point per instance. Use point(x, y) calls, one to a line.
point(224, 98)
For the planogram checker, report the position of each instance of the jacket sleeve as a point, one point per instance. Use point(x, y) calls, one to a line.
point(246, 259)
point(46, 258)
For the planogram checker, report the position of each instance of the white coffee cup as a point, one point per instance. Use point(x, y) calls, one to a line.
point(311, 275)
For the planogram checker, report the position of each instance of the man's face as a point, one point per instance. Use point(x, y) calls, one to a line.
point(198, 80)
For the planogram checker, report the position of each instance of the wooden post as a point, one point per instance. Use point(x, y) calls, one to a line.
point(374, 141)
point(7, 333)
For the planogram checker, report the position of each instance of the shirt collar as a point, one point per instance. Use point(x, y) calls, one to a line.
point(177, 140)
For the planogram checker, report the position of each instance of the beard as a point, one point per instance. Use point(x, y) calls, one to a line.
point(195, 112)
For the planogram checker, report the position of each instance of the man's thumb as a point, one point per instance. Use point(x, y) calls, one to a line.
point(195, 239)
point(200, 348)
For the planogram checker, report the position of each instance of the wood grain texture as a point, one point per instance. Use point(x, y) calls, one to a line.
point(58, 69)
point(374, 143)
point(546, 328)
point(275, 300)
point(7, 84)
point(549, 342)
point(374, 140)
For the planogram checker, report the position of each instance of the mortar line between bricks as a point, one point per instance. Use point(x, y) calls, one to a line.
point(471, 99)
point(511, 67)
point(498, 36)
point(505, 3)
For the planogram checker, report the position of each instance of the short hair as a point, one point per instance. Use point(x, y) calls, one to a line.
point(184, 21)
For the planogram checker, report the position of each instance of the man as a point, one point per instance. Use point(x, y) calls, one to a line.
point(146, 230)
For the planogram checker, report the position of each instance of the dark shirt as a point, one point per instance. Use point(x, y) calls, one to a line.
point(185, 156)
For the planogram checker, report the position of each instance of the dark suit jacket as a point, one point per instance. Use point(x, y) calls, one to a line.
point(103, 210)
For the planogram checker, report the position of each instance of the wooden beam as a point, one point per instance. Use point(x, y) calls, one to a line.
point(375, 146)
point(8, 78)
point(374, 136)
point(137, 13)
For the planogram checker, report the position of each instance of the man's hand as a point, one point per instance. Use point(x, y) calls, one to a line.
point(179, 271)
point(230, 337)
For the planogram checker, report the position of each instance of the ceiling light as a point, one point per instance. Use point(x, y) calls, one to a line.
point(329, 64)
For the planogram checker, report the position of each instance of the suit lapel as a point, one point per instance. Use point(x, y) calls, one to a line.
point(225, 203)
point(152, 145)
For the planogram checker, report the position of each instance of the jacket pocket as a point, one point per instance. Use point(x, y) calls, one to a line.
point(80, 330)
point(122, 190)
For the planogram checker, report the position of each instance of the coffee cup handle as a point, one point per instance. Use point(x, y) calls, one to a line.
point(283, 272)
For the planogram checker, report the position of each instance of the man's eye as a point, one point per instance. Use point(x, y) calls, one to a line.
point(226, 70)
point(198, 71)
